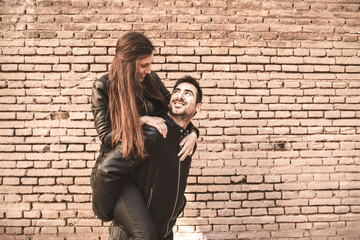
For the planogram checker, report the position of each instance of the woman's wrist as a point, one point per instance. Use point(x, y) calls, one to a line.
point(143, 120)
point(193, 133)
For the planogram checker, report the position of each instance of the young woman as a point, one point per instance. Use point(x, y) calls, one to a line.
point(122, 101)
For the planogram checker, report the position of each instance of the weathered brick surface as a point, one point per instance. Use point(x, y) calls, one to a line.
point(278, 156)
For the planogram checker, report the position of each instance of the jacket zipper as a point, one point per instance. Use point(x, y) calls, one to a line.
point(149, 199)
point(176, 199)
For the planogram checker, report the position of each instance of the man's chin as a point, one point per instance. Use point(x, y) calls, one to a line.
point(177, 112)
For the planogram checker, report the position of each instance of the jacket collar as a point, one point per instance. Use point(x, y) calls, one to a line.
point(183, 132)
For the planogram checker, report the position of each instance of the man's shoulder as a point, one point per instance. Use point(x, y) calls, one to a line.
point(150, 133)
point(150, 130)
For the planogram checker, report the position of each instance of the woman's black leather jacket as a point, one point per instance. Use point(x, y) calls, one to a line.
point(99, 107)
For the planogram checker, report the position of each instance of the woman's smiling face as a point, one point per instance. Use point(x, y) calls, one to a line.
point(144, 67)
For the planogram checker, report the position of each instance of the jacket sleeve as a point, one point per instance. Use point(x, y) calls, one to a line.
point(107, 177)
point(99, 107)
point(166, 94)
point(191, 128)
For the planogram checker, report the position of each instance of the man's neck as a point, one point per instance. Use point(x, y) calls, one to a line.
point(182, 121)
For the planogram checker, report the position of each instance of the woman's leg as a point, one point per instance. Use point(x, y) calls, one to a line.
point(131, 213)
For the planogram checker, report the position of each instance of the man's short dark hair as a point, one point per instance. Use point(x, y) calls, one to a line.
point(191, 80)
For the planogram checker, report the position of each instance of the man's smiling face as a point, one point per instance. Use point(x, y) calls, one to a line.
point(183, 100)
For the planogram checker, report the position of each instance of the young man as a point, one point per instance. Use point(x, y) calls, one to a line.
point(161, 177)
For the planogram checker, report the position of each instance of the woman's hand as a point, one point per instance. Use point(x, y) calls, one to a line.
point(155, 122)
point(187, 145)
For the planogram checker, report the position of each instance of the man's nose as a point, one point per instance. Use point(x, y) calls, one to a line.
point(181, 95)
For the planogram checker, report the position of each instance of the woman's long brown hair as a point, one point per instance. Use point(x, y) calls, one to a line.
point(123, 88)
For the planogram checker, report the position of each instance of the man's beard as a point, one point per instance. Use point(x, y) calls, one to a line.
point(180, 113)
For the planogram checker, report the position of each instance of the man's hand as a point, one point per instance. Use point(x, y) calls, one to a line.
point(155, 122)
point(187, 146)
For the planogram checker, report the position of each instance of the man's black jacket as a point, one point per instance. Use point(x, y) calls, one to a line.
point(161, 177)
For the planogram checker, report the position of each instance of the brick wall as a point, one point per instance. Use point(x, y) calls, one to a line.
point(278, 156)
